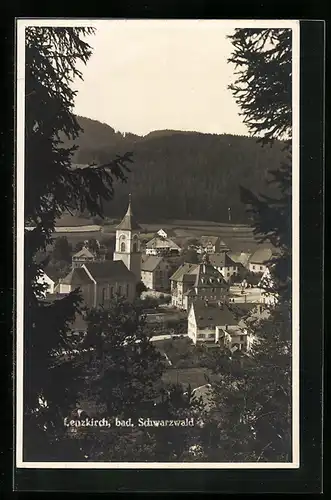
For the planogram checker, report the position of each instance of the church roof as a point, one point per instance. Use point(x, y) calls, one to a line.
point(109, 270)
point(77, 276)
point(128, 222)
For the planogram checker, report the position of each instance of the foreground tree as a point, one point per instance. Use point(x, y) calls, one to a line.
point(254, 395)
point(53, 186)
point(121, 382)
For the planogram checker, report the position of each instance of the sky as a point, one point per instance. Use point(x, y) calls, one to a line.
point(147, 75)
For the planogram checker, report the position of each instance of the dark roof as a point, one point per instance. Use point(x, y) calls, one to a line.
point(103, 271)
point(128, 222)
point(221, 260)
point(207, 275)
point(213, 315)
point(261, 256)
point(151, 263)
point(182, 271)
point(51, 273)
point(77, 276)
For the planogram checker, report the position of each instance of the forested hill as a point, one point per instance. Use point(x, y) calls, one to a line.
point(182, 175)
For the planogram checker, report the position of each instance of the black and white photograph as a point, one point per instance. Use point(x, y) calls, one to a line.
point(157, 244)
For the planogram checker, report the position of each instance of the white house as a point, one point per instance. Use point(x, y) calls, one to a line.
point(166, 233)
point(45, 279)
point(224, 264)
point(162, 246)
point(212, 244)
point(260, 260)
point(234, 336)
point(207, 321)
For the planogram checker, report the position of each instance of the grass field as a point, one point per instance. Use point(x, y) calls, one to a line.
point(239, 237)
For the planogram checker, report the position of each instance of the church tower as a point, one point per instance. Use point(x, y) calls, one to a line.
point(127, 246)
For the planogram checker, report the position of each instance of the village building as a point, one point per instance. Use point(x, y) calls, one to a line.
point(99, 282)
point(192, 282)
point(127, 247)
point(241, 259)
point(162, 247)
point(155, 273)
point(48, 281)
point(224, 264)
point(216, 323)
point(166, 233)
point(260, 260)
point(212, 244)
point(83, 256)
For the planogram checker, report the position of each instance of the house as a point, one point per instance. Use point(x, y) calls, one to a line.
point(192, 282)
point(127, 246)
point(166, 233)
point(224, 264)
point(203, 317)
point(99, 282)
point(162, 246)
point(259, 260)
point(216, 323)
point(155, 273)
point(49, 282)
point(212, 244)
point(241, 259)
point(84, 256)
point(234, 337)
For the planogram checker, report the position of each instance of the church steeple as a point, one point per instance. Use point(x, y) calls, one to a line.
point(128, 222)
point(127, 246)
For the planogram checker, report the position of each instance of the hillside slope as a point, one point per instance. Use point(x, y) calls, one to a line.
point(181, 175)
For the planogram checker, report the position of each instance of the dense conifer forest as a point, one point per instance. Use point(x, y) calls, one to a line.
point(182, 175)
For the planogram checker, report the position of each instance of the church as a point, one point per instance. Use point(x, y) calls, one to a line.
point(99, 281)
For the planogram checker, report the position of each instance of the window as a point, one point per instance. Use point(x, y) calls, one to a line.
point(261, 268)
point(228, 274)
point(127, 290)
point(111, 291)
point(253, 267)
point(103, 298)
point(119, 289)
point(241, 338)
point(135, 244)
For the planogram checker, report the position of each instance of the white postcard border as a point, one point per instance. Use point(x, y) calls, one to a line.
point(20, 124)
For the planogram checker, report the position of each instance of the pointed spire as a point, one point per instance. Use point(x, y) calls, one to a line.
point(128, 222)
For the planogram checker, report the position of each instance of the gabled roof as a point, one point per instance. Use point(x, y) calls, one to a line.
point(84, 252)
point(151, 263)
point(208, 276)
point(182, 271)
point(109, 271)
point(212, 315)
point(77, 276)
point(261, 256)
point(239, 257)
point(128, 222)
point(221, 260)
point(159, 242)
point(51, 273)
point(169, 232)
point(213, 240)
